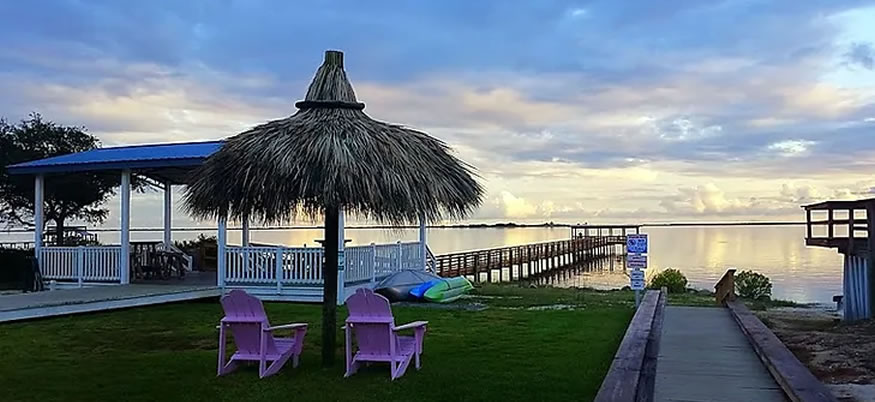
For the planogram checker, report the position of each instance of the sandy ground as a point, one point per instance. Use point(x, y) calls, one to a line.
point(841, 355)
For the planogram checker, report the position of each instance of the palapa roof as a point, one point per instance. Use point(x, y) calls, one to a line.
point(330, 154)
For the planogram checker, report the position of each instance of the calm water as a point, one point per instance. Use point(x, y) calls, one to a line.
point(702, 253)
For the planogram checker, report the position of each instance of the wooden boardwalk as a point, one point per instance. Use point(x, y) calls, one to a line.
point(704, 356)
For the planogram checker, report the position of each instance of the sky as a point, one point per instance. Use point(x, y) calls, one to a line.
point(571, 111)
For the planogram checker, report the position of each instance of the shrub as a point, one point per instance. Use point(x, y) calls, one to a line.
point(201, 241)
point(14, 265)
point(753, 285)
point(669, 278)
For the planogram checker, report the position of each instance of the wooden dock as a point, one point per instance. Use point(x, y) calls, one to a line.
point(704, 356)
point(529, 261)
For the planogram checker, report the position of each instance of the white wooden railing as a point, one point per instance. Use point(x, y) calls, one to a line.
point(273, 265)
point(81, 264)
point(287, 266)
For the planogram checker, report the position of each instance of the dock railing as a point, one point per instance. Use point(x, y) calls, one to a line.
point(845, 225)
point(525, 261)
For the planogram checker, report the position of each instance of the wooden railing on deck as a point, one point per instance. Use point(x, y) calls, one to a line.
point(725, 288)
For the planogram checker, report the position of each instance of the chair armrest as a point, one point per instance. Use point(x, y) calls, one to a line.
point(415, 324)
point(287, 326)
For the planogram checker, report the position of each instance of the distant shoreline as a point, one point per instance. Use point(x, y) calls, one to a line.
point(509, 225)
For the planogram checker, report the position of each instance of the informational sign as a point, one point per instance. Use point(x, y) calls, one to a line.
point(341, 260)
point(636, 244)
point(636, 261)
point(636, 279)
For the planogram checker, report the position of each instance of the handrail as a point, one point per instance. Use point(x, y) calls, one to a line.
point(632, 374)
point(724, 290)
point(614, 239)
point(430, 261)
point(172, 248)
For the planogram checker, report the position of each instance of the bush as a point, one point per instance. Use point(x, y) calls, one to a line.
point(14, 265)
point(753, 285)
point(186, 245)
point(669, 278)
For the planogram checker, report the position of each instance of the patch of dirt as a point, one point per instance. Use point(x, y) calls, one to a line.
point(840, 354)
point(553, 307)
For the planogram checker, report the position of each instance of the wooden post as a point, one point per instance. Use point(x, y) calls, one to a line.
point(221, 257)
point(125, 263)
point(476, 267)
point(330, 282)
point(489, 266)
point(870, 226)
point(279, 269)
point(850, 230)
point(399, 260)
point(244, 232)
point(373, 264)
point(80, 264)
point(38, 220)
point(423, 242)
point(510, 264)
point(808, 222)
point(167, 214)
point(829, 228)
point(724, 290)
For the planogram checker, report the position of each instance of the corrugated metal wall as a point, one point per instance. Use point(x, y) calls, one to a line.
point(856, 288)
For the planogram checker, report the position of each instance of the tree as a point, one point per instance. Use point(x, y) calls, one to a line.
point(67, 196)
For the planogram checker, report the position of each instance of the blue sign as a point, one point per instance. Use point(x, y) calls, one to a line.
point(636, 244)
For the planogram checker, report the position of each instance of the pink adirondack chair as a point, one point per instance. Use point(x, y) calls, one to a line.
point(253, 335)
point(371, 322)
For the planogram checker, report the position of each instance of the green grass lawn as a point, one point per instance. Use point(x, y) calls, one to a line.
point(161, 353)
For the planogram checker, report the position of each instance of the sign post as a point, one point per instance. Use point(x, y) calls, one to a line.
point(636, 260)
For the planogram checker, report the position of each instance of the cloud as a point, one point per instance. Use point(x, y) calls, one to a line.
point(862, 55)
point(791, 148)
point(505, 205)
point(127, 110)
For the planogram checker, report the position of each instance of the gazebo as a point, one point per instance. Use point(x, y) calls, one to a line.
point(275, 272)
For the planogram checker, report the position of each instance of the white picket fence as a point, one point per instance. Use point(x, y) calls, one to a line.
point(81, 264)
point(296, 266)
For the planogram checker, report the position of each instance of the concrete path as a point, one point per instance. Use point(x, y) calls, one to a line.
point(703, 356)
point(70, 301)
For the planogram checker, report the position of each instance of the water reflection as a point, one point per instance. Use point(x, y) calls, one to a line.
point(704, 253)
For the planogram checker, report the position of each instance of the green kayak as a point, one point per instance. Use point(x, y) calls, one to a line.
point(447, 290)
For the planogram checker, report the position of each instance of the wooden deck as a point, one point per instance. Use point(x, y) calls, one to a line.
point(26, 306)
point(704, 356)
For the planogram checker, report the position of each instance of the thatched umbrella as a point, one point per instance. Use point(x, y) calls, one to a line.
point(328, 157)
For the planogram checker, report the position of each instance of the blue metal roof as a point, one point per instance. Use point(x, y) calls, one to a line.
point(152, 156)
